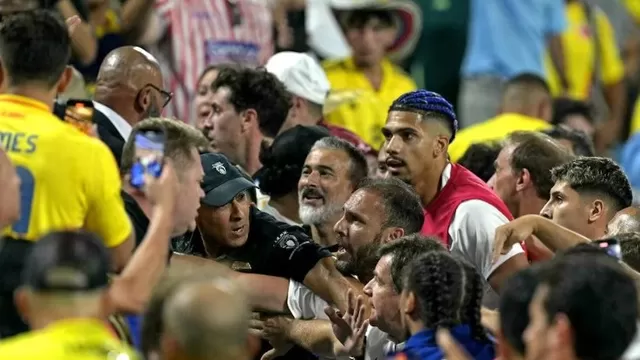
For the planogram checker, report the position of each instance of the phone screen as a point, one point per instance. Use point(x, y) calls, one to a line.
point(79, 113)
point(148, 158)
point(611, 246)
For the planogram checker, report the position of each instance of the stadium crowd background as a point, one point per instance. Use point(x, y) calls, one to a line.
point(342, 179)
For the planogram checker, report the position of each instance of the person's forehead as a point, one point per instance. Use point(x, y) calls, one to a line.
point(221, 95)
point(404, 120)
point(383, 267)
point(562, 187)
point(504, 157)
point(362, 202)
point(331, 158)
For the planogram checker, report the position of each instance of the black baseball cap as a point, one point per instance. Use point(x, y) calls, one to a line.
point(222, 180)
point(67, 261)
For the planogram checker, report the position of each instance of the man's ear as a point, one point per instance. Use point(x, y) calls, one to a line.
point(523, 180)
point(249, 120)
point(65, 79)
point(390, 234)
point(597, 210)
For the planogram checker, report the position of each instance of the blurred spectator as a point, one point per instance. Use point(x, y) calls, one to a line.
point(522, 176)
point(249, 106)
point(63, 298)
point(370, 30)
point(479, 159)
point(574, 114)
point(205, 318)
point(573, 140)
point(592, 65)
point(305, 80)
point(282, 164)
point(436, 61)
point(525, 106)
point(203, 101)
point(507, 38)
point(200, 33)
point(381, 169)
point(113, 28)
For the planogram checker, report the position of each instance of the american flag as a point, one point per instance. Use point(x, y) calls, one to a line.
point(206, 32)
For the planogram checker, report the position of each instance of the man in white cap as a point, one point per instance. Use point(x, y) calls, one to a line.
point(306, 81)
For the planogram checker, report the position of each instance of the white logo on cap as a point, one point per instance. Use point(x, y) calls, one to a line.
point(220, 168)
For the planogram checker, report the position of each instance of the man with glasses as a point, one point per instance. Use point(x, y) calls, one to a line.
point(129, 89)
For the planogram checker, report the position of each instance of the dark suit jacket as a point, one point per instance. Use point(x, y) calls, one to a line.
point(106, 131)
point(109, 134)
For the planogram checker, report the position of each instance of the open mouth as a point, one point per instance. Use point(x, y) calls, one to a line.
point(394, 164)
point(312, 197)
point(239, 230)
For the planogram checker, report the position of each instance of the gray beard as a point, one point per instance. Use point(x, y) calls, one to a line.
point(316, 216)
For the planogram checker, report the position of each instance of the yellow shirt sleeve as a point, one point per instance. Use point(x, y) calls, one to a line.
point(633, 7)
point(611, 66)
point(106, 215)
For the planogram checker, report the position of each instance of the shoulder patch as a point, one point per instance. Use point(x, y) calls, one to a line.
point(287, 240)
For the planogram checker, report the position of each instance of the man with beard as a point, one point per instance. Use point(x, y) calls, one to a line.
point(129, 89)
point(330, 173)
point(419, 128)
point(378, 212)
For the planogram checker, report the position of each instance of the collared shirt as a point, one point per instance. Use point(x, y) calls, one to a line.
point(123, 127)
point(71, 339)
point(507, 38)
point(494, 129)
point(367, 114)
point(579, 50)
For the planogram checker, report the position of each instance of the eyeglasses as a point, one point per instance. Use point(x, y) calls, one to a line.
point(167, 96)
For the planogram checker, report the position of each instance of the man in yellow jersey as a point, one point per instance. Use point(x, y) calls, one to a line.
point(68, 180)
point(370, 30)
point(9, 192)
point(63, 297)
point(526, 106)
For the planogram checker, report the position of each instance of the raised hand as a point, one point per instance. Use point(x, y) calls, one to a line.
point(351, 327)
point(512, 233)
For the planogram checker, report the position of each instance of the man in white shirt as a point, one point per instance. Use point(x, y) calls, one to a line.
point(378, 212)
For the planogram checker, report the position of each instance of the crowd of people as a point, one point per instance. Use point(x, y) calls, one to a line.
point(300, 209)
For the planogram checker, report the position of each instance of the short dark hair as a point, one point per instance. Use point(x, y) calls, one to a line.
point(35, 47)
point(358, 169)
point(582, 145)
point(357, 19)
point(630, 247)
point(537, 153)
point(405, 250)
point(402, 205)
point(596, 175)
point(529, 79)
point(565, 107)
point(180, 140)
point(599, 299)
point(259, 90)
point(515, 296)
point(479, 159)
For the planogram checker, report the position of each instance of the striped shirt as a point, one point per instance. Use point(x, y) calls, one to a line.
point(207, 32)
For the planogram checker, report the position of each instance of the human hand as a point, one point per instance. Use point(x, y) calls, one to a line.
point(512, 233)
point(490, 320)
point(351, 327)
point(72, 24)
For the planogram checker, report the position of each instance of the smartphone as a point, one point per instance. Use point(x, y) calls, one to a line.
point(148, 156)
point(611, 246)
point(79, 113)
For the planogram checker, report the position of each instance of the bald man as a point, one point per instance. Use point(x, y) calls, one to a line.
point(206, 321)
point(626, 220)
point(9, 192)
point(526, 106)
point(129, 89)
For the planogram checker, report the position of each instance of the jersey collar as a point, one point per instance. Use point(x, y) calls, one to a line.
point(25, 101)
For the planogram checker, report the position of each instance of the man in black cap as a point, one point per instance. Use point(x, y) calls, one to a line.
point(62, 298)
point(235, 232)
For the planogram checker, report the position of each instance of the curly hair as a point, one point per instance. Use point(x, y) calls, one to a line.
point(472, 300)
point(259, 90)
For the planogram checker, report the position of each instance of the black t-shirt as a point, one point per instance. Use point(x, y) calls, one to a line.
point(139, 220)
